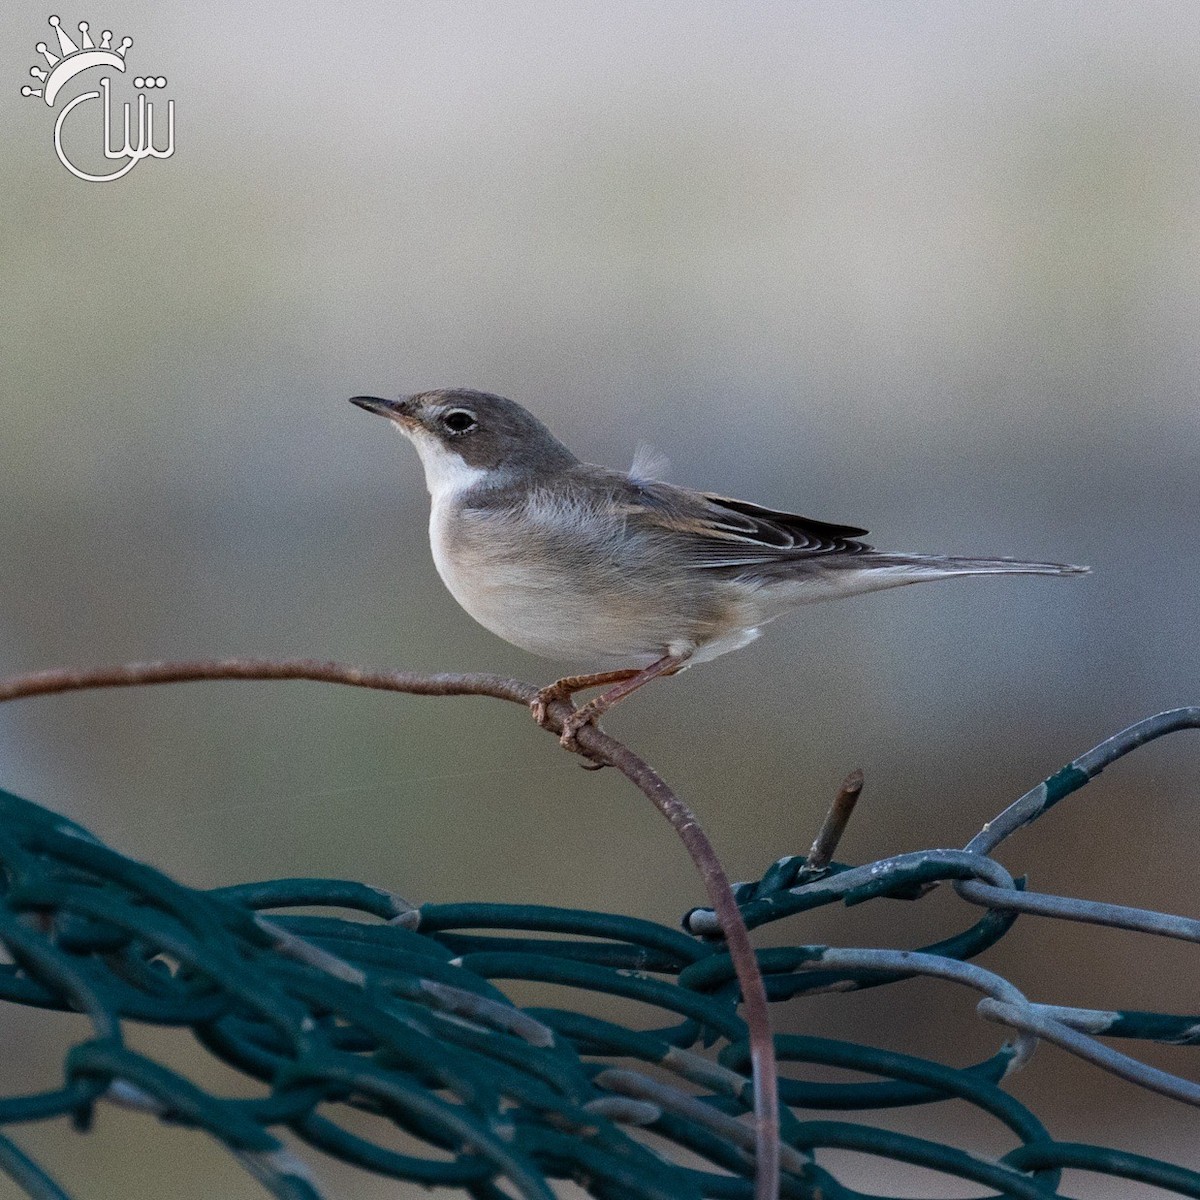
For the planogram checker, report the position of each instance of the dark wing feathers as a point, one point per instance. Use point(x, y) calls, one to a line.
point(742, 534)
point(721, 532)
point(786, 530)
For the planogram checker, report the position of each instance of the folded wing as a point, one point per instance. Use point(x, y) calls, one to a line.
point(719, 532)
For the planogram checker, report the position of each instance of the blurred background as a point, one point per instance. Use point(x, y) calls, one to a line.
point(929, 268)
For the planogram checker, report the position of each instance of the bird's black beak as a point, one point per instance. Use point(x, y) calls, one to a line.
point(395, 409)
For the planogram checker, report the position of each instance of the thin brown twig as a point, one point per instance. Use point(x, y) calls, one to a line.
point(596, 745)
point(825, 844)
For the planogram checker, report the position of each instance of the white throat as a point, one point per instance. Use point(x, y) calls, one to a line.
point(446, 475)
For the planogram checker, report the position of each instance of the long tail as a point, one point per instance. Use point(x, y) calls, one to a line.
point(939, 566)
point(830, 576)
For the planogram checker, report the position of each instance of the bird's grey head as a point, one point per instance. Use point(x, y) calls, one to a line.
point(466, 437)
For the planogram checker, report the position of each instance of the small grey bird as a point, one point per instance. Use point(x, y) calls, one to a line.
point(576, 561)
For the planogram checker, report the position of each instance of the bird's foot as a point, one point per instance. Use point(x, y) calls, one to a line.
point(564, 689)
point(578, 718)
point(587, 714)
point(619, 684)
point(540, 704)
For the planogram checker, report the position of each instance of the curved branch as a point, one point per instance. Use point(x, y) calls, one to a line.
point(137, 674)
point(595, 745)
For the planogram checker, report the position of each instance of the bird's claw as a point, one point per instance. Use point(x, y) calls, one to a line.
point(540, 704)
point(568, 737)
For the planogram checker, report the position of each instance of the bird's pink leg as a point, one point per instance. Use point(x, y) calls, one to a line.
point(565, 688)
point(624, 684)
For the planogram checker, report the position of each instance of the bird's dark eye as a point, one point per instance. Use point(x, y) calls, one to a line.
point(459, 421)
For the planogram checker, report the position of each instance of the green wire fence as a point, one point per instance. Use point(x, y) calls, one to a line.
point(400, 1011)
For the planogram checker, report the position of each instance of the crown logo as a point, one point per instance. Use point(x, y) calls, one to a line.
point(73, 59)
